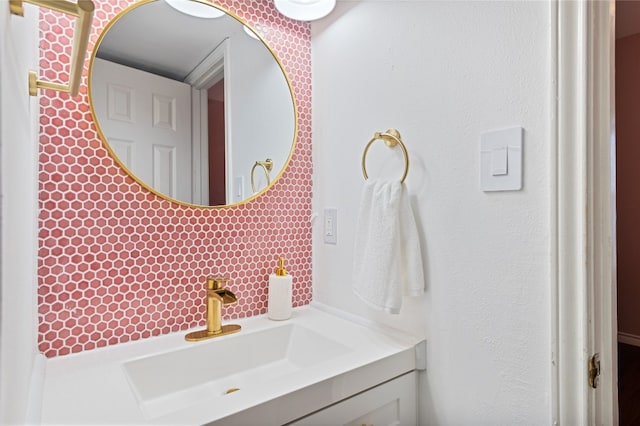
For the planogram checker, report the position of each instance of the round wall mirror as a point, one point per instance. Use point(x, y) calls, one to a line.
point(192, 103)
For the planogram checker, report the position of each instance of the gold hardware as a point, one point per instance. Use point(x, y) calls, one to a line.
point(83, 11)
point(232, 390)
point(199, 335)
point(15, 7)
point(33, 83)
point(216, 298)
point(266, 165)
point(280, 271)
point(215, 283)
point(594, 371)
point(391, 138)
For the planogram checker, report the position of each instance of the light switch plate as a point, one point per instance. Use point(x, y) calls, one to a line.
point(330, 226)
point(500, 172)
point(238, 187)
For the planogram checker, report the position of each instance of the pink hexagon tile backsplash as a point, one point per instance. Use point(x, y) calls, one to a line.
point(118, 263)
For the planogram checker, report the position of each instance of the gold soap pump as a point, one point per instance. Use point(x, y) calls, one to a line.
point(279, 301)
point(280, 271)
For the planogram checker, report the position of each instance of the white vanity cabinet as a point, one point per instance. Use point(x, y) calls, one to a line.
point(390, 403)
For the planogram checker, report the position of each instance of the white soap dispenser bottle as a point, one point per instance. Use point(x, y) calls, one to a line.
point(280, 291)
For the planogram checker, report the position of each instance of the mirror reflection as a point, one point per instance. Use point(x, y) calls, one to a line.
point(193, 108)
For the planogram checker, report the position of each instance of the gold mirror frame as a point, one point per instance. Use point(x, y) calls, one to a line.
point(129, 172)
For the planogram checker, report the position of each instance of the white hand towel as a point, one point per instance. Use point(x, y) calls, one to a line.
point(387, 258)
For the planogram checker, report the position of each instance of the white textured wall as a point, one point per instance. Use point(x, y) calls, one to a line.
point(442, 73)
point(18, 194)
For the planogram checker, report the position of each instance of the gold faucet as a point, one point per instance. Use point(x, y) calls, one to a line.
point(216, 298)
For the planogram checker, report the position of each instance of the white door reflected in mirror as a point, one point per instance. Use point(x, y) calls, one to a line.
point(147, 120)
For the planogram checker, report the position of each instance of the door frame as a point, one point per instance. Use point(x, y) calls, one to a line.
point(216, 66)
point(583, 300)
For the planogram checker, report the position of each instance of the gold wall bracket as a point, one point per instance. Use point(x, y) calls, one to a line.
point(83, 11)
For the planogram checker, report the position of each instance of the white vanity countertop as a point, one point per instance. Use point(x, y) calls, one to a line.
point(93, 387)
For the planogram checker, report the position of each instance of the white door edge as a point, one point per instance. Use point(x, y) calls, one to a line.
point(582, 212)
point(19, 131)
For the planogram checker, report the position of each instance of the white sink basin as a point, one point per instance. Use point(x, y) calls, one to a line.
point(284, 370)
point(174, 380)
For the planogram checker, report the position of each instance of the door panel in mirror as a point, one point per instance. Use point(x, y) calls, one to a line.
point(153, 115)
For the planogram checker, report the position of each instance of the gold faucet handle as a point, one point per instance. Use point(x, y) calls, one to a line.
point(216, 283)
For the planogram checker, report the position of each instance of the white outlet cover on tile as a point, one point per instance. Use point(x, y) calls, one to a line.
point(501, 160)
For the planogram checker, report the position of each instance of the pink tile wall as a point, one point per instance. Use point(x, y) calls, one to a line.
point(116, 262)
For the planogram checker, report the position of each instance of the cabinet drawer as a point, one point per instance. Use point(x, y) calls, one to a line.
point(391, 403)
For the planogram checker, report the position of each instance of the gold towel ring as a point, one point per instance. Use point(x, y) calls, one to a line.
point(391, 138)
point(266, 165)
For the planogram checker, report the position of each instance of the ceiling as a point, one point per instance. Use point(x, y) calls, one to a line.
point(158, 39)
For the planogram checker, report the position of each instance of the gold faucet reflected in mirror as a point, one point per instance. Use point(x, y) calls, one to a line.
point(217, 296)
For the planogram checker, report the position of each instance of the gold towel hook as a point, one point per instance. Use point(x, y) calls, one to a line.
point(391, 138)
point(83, 11)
